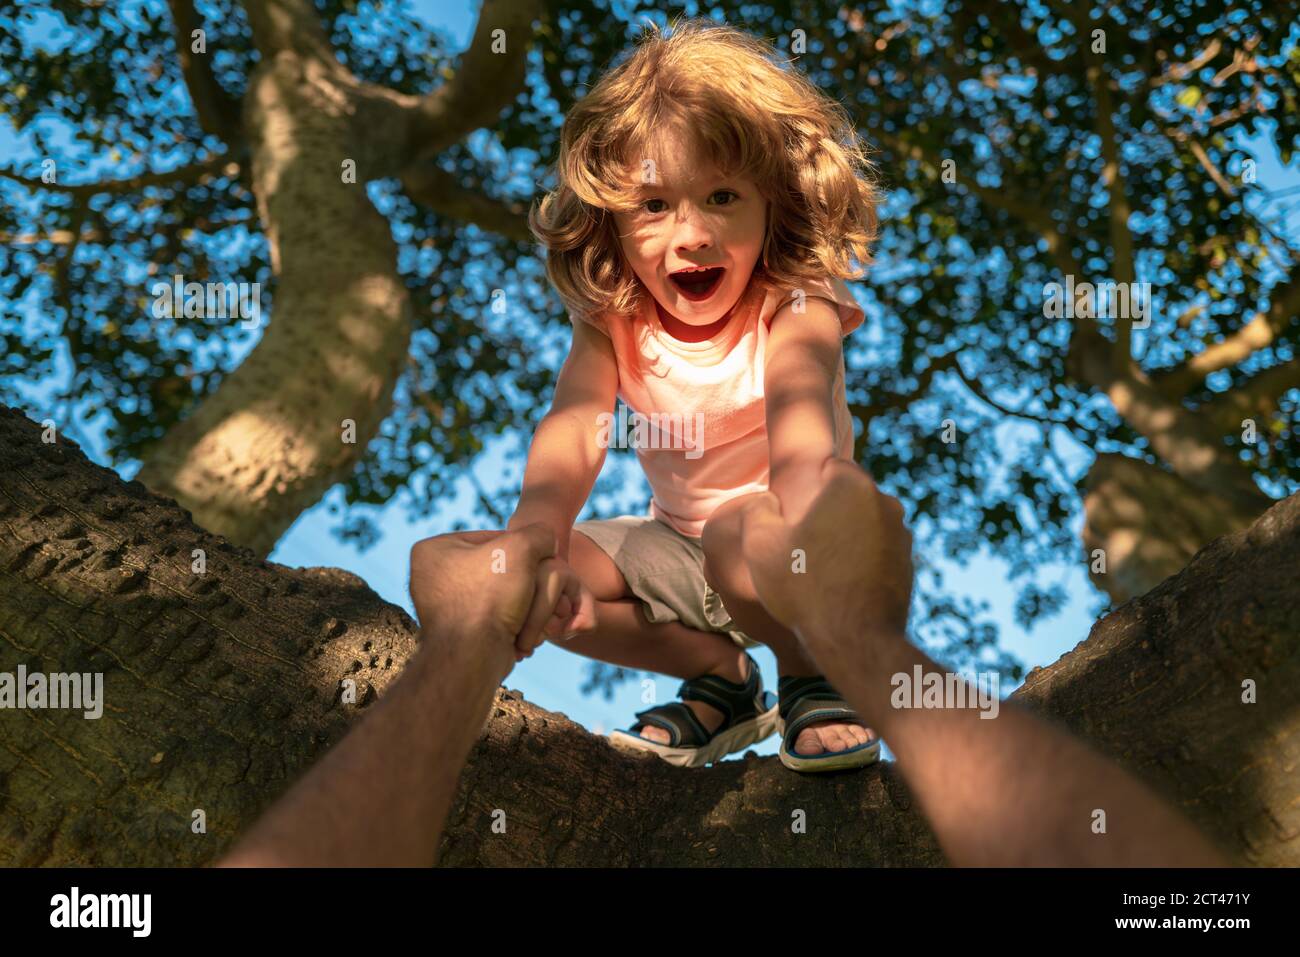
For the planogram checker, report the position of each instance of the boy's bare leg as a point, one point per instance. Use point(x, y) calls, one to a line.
point(624, 637)
point(725, 571)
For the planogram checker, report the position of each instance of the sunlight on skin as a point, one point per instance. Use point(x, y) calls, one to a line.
point(695, 216)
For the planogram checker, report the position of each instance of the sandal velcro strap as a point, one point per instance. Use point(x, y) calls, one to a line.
point(737, 702)
point(679, 721)
point(807, 700)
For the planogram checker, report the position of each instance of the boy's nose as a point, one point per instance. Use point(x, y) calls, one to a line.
point(690, 238)
point(691, 228)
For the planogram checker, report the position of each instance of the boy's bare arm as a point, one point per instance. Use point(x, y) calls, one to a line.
point(565, 457)
point(1008, 791)
point(803, 357)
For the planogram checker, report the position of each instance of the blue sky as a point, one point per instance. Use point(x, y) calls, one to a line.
point(552, 677)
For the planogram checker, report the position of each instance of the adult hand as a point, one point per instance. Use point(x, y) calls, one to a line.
point(843, 572)
point(497, 589)
point(574, 613)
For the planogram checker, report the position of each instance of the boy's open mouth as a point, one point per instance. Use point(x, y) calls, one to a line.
point(698, 284)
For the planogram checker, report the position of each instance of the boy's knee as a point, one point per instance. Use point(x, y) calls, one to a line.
point(722, 531)
point(596, 569)
point(724, 565)
point(720, 541)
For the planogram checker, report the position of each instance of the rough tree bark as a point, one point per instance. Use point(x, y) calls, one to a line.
point(221, 687)
point(272, 439)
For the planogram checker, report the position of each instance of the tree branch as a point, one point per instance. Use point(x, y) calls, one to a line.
point(396, 134)
point(493, 512)
point(189, 174)
point(295, 25)
point(1204, 159)
point(62, 237)
point(1241, 60)
point(59, 237)
point(217, 111)
point(1190, 447)
point(1262, 330)
point(1180, 70)
point(1033, 215)
point(486, 82)
point(974, 386)
point(865, 412)
point(432, 186)
point(1186, 442)
point(118, 560)
point(1198, 151)
point(1256, 398)
point(1118, 211)
point(1253, 102)
point(435, 413)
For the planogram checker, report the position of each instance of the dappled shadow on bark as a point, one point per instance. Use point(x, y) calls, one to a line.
point(222, 686)
point(223, 674)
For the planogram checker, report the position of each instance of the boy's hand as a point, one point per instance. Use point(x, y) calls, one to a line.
point(575, 611)
point(843, 570)
point(562, 606)
point(497, 590)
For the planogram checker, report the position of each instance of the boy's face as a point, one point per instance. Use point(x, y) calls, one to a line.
point(692, 216)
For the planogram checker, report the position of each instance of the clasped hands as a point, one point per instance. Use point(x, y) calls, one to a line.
point(507, 591)
point(496, 589)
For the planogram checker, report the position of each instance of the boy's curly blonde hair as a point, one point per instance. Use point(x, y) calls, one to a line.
point(751, 116)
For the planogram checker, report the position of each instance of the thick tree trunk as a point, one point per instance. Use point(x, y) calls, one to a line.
point(296, 416)
point(1150, 520)
point(1148, 523)
point(221, 687)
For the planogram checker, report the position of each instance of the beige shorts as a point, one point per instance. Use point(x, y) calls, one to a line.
point(665, 569)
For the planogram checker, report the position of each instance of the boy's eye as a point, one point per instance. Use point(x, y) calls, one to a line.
point(720, 192)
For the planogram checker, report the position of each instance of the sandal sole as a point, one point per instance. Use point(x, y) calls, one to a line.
point(749, 732)
point(859, 757)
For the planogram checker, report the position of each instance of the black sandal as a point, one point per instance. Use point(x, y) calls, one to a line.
point(749, 716)
point(806, 701)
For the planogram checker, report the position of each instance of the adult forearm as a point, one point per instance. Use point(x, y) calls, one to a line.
point(381, 796)
point(1011, 790)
